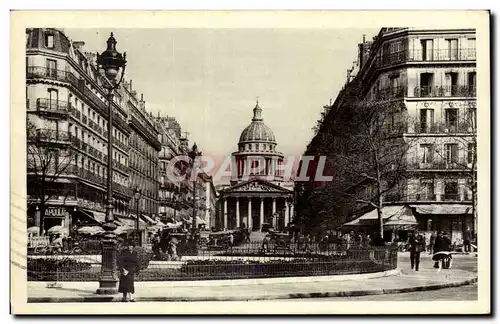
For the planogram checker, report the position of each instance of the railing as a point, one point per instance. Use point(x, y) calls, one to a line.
point(450, 196)
point(251, 261)
point(74, 112)
point(411, 55)
point(120, 167)
point(84, 119)
point(391, 197)
point(50, 135)
point(390, 93)
point(436, 165)
point(52, 106)
point(121, 188)
point(94, 126)
point(33, 72)
point(444, 91)
point(120, 144)
point(426, 197)
point(439, 128)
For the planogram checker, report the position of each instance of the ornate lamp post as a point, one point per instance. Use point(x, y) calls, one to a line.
point(137, 197)
point(110, 62)
point(193, 154)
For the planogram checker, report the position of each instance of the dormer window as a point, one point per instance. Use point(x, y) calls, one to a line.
point(49, 40)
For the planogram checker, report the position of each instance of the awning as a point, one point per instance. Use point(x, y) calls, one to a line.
point(148, 219)
point(199, 220)
point(131, 222)
point(391, 215)
point(443, 209)
point(100, 217)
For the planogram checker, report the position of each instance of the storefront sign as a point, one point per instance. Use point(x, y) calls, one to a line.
point(56, 212)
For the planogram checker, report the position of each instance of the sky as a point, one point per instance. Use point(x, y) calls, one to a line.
point(209, 79)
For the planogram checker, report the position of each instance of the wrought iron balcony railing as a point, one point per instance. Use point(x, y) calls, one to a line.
point(425, 197)
point(51, 106)
point(416, 55)
point(444, 91)
point(49, 135)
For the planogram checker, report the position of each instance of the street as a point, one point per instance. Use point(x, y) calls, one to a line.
point(469, 292)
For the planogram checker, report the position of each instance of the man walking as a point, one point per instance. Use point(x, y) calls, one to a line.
point(417, 245)
point(467, 235)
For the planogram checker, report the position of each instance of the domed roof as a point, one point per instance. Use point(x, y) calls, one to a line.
point(257, 131)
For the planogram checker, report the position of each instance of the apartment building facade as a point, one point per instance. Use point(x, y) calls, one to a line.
point(67, 141)
point(430, 76)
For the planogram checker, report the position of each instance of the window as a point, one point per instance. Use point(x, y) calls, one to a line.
point(451, 117)
point(452, 45)
point(51, 68)
point(426, 120)
point(451, 153)
point(427, 153)
point(471, 153)
point(49, 40)
point(427, 49)
point(471, 48)
point(53, 98)
point(471, 119)
point(426, 84)
point(426, 189)
point(451, 190)
point(471, 83)
point(451, 80)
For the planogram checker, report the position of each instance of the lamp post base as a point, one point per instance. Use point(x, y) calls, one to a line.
point(108, 280)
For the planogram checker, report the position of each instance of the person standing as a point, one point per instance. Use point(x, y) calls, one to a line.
point(127, 264)
point(467, 235)
point(432, 241)
point(417, 245)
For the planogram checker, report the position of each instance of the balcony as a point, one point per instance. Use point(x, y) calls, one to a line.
point(50, 106)
point(42, 72)
point(450, 197)
point(94, 126)
point(438, 165)
point(444, 91)
point(415, 55)
point(74, 112)
point(50, 135)
point(390, 93)
point(120, 167)
point(426, 197)
point(120, 144)
point(439, 128)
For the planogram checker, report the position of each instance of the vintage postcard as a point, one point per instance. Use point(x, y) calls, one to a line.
point(265, 162)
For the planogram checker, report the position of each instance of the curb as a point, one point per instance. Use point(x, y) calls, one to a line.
point(351, 293)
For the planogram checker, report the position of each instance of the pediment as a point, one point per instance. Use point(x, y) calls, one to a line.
point(257, 186)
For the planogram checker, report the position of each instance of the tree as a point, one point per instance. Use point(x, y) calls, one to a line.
point(48, 158)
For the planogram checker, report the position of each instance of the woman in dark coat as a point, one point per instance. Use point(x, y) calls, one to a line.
point(127, 264)
point(442, 251)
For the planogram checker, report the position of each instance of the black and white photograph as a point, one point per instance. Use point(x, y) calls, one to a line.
point(277, 165)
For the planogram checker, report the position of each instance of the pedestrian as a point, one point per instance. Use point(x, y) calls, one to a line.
point(442, 249)
point(307, 243)
point(417, 245)
point(231, 240)
point(467, 235)
point(247, 236)
point(127, 264)
point(265, 243)
point(432, 241)
point(172, 248)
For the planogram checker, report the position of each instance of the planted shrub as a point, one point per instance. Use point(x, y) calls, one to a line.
point(52, 269)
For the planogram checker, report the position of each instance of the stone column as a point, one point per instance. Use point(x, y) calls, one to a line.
point(274, 212)
point(237, 212)
point(250, 213)
point(291, 213)
point(225, 213)
point(287, 211)
point(261, 213)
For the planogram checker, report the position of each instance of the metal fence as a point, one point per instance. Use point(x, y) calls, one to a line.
point(251, 260)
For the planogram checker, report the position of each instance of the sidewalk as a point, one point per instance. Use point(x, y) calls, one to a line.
point(401, 281)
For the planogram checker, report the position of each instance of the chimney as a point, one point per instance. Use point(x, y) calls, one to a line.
point(364, 38)
point(142, 96)
point(78, 44)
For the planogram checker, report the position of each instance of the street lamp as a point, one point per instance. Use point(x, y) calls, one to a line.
point(137, 197)
point(193, 154)
point(110, 63)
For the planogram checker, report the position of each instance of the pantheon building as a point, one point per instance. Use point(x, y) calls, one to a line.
point(258, 194)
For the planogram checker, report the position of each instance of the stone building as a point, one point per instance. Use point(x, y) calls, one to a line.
point(257, 195)
point(67, 141)
point(429, 75)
